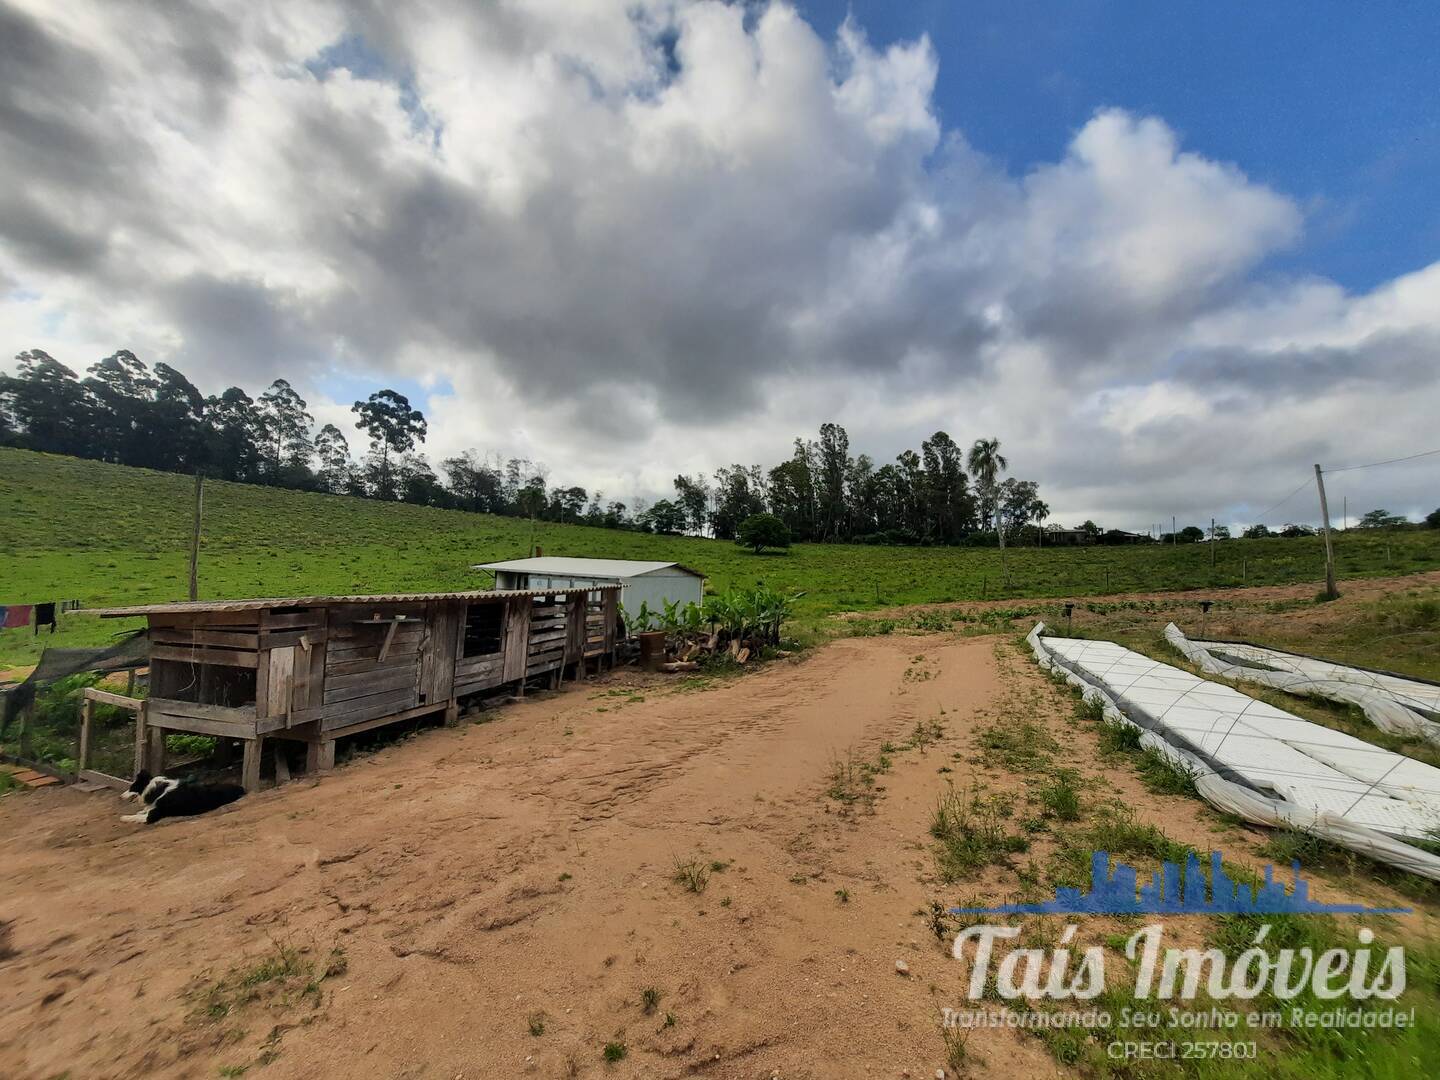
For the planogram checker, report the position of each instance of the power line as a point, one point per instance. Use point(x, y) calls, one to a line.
point(1303, 485)
point(1392, 461)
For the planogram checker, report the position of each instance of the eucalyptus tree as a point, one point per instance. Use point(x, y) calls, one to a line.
point(288, 446)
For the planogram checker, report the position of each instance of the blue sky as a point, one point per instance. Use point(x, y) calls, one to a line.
point(1337, 105)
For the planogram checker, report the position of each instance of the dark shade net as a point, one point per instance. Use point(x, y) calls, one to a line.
point(132, 652)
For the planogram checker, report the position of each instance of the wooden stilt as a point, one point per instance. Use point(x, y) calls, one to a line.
point(320, 756)
point(250, 765)
point(452, 713)
point(155, 749)
point(27, 748)
point(282, 766)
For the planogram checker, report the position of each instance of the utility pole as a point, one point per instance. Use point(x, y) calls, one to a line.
point(1330, 591)
point(195, 537)
point(1174, 535)
point(1212, 547)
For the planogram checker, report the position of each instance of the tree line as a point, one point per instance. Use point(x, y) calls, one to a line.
point(129, 414)
point(124, 412)
point(940, 494)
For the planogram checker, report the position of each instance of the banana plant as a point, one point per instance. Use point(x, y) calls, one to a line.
point(640, 621)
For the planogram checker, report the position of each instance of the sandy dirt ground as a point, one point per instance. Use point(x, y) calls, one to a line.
point(468, 885)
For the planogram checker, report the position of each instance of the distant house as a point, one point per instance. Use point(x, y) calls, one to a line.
point(650, 583)
point(1120, 536)
point(1060, 537)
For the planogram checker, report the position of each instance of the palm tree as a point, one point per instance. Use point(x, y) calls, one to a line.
point(986, 464)
point(1041, 510)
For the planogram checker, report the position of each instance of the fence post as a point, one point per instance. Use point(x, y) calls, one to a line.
point(86, 713)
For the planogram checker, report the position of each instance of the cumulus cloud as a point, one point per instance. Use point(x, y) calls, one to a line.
point(632, 239)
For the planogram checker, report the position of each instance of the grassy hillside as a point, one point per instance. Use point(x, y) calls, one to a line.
point(109, 534)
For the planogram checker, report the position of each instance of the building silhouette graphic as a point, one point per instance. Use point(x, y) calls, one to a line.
point(1172, 890)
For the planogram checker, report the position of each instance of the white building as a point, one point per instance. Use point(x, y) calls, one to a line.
point(650, 583)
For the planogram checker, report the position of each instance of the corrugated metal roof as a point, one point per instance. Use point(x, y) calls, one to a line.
point(183, 607)
point(560, 566)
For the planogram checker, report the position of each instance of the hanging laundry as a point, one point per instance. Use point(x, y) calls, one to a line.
point(16, 615)
point(45, 616)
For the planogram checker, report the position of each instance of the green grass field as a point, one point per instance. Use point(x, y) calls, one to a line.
point(74, 529)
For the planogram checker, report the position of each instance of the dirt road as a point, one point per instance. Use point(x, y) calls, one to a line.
point(495, 900)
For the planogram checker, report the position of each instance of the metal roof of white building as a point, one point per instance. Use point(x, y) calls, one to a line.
point(558, 566)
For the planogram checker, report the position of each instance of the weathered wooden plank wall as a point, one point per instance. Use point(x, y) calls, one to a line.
point(358, 684)
point(545, 649)
point(440, 648)
point(517, 637)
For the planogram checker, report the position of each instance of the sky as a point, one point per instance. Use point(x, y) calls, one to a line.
point(1171, 255)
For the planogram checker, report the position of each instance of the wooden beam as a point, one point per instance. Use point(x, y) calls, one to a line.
point(105, 697)
point(226, 714)
point(188, 637)
point(115, 782)
point(199, 726)
point(223, 657)
point(389, 637)
point(381, 721)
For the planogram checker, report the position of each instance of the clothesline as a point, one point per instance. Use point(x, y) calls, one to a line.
point(16, 616)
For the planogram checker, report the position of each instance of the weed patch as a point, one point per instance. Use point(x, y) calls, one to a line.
point(971, 833)
point(693, 874)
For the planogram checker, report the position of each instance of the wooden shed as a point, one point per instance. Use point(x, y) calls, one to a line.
point(314, 669)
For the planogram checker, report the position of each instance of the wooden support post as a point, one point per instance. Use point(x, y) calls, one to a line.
point(320, 756)
point(86, 715)
point(195, 538)
point(140, 740)
point(1330, 591)
point(452, 713)
point(282, 766)
point(155, 749)
point(250, 765)
point(520, 687)
point(27, 751)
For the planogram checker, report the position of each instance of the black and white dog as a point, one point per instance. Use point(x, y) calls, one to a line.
point(164, 797)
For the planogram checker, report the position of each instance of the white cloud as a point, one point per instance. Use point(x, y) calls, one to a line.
point(639, 239)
